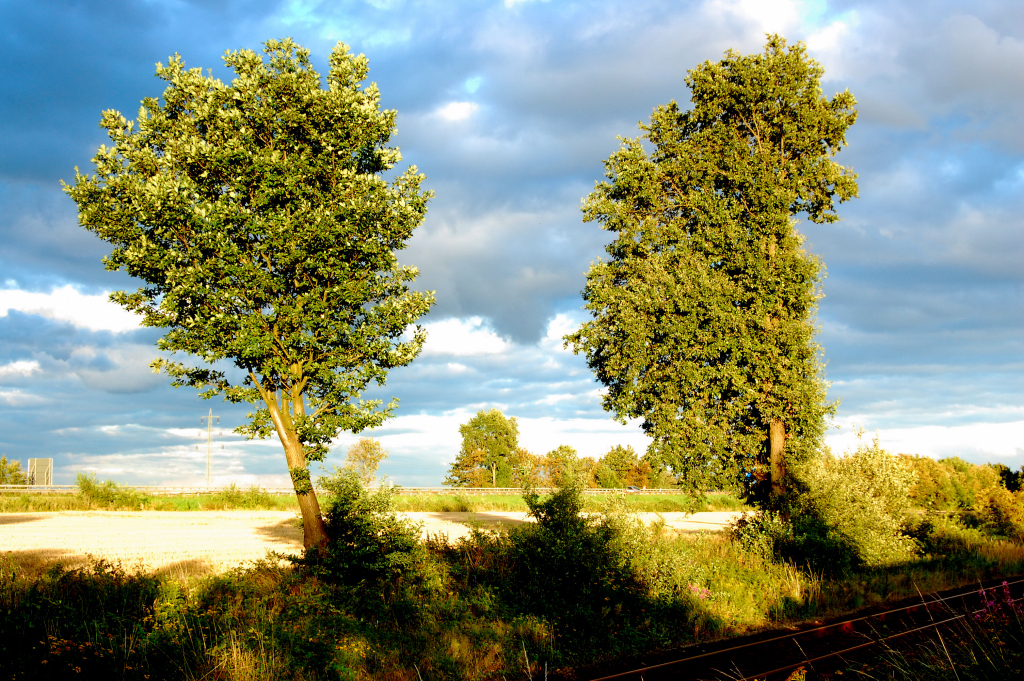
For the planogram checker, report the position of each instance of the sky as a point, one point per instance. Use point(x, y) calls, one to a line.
point(510, 108)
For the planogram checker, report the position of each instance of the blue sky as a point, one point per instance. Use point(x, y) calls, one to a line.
point(509, 108)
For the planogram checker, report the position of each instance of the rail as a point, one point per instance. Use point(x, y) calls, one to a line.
point(713, 661)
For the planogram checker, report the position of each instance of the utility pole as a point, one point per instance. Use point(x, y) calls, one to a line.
point(209, 441)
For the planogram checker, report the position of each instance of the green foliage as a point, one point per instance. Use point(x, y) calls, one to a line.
point(370, 546)
point(1011, 478)
point(852, 513)
point(863, 496)
point(233, 497)
point(999, 511)
point(259, 218)
point(11, 473)
point(489, 454)
point(109, 494)
point(364, 458)
point(950, 484)
point(703, 314)
point(83, 623)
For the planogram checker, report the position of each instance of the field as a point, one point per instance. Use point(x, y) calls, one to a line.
point(209, 542)
point(426, 594)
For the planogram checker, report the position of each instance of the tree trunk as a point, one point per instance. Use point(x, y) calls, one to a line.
point(494, 475)
point(776, 445)
point(314, 532)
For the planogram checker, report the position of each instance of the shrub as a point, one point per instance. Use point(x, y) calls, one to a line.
point(109, 493)
point(850, 512)
point(369, 545)
point(252, 498)
point(998, 511)
point(861, 499)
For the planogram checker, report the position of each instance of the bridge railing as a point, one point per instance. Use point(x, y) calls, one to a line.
point(164, 490)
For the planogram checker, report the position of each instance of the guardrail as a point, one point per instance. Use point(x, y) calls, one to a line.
point(163, 490)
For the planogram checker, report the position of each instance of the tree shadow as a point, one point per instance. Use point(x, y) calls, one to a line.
point(34, 562)
point(16, 518)
point(286, 531)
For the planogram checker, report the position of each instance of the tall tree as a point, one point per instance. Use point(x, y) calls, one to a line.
point(703, 316)
point(257, 216)
point(490, 442)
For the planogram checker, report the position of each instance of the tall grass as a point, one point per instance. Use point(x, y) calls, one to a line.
point(643, 503)
point(571, 589)
point(108, 495)
point(983, 646)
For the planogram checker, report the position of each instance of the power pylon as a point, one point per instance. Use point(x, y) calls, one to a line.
point(209, 441)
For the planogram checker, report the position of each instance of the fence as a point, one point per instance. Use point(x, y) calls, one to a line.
point(194, 491)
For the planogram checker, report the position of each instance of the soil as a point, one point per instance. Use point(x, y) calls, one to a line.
point(200, 542)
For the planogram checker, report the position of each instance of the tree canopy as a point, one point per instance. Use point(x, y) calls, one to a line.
point(703, 314)
point(490, 451)
point(257, 215)
point(364, 457)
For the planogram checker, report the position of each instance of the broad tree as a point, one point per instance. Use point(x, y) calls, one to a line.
point(703, 314)
point(256, 214)
point(490, 449)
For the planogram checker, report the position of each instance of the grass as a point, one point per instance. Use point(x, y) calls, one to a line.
point(983, 646)
point(107, 495)
point(567, 591)
point(641, 503)
point(110, 496)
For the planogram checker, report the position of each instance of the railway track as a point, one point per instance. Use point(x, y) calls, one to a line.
point(774, 656)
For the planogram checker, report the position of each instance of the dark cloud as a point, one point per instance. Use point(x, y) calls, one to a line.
point(924, 300)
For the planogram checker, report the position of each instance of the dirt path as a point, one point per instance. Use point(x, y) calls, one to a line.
point(199, 542)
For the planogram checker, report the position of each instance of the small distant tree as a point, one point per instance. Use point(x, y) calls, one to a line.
point(490, 442)
point(11, 473)
point(364, 457)
point(263, 217)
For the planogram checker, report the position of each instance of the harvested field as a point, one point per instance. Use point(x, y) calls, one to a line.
point(201, 542)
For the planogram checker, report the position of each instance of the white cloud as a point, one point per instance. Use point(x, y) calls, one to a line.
point(67, 304)
point(462, 337)
point(457, 111)
point(20, 398)
point(766, 16)
point(977, 442)
point(19, 368)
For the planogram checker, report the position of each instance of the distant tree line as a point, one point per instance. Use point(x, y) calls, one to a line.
point(491, 456)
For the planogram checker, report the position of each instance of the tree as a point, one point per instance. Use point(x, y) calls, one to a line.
point(703, 315)
point(364, 457)
point(257, 216)
point(490, 442)
point(10, 472)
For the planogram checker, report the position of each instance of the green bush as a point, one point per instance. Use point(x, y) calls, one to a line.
point(109, 494)
point(997, 511)
point(370, 545)
point(862, 499)
point(850, 512)
point(252, 498)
